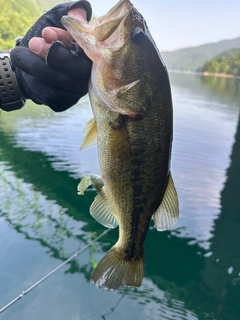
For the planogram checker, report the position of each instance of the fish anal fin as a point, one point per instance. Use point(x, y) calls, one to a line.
point(166, 216)
point(90, 131)
point(101, 211)
point(113, 272)
point(90, 180)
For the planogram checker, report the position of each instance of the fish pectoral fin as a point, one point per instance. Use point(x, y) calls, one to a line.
point(137, 95)
point(124, 89)
point(90, 180)
point(166, 216)
point(90, 134)
point(101, 211)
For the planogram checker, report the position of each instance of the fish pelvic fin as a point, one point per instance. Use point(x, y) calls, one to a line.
point(166, 216)
point(100, 208)
point(101, 211)
point(90, 134)
point(113, 271)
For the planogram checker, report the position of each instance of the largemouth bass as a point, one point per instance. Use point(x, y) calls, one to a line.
point(131, 100)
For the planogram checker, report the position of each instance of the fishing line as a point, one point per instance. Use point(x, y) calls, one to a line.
point(53, 271)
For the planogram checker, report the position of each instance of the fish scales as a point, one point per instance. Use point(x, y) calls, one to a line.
point(131, 100)
point(135, 190)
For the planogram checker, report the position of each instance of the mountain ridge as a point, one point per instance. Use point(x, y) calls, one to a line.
point(193, 58)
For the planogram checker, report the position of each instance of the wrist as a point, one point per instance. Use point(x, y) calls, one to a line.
point(11, 97)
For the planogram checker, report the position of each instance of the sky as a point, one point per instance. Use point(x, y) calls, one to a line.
point(176, 24)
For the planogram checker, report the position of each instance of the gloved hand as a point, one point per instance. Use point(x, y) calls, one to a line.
point(61, 79)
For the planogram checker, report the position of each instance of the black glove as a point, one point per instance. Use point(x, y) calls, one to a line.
point(61, 79)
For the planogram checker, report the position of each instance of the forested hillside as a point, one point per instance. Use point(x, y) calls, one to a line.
point(227, 63)
point(191, 59)
point(17, 16)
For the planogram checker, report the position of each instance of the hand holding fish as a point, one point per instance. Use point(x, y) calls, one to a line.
point(41, 45)
point(50, 67)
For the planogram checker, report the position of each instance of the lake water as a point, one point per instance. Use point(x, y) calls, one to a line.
point(191, 272)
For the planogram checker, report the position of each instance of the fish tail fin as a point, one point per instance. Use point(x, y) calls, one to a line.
point(113, 271)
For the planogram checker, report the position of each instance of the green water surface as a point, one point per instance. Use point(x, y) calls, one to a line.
point(191, 272)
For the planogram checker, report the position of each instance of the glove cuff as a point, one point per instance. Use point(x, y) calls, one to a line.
point(10, 94)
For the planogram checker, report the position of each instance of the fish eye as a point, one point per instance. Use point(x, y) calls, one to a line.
point(138, 36)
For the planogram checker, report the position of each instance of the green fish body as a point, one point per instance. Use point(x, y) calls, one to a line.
point(131, 101)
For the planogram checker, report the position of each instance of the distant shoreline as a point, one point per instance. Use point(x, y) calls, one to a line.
point(224, 75)
point(207, 74)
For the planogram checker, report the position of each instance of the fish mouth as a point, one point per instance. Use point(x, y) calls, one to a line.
point(103, 27)
point(108, 23)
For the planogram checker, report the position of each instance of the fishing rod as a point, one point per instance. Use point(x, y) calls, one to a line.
point(21, 295)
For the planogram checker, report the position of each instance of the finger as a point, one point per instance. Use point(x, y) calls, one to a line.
point(79, 14)
point(39, 46)
point(33, 65)
point(77, 66)
point(51, 34)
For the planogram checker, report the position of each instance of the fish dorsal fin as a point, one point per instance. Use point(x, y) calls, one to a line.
point(90, 131)
point(100, 209)
point(166, 216)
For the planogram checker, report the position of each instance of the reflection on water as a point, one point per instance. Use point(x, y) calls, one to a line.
point(191, 272)
point(222, 269)
point(225, 88)
point(204, 128)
